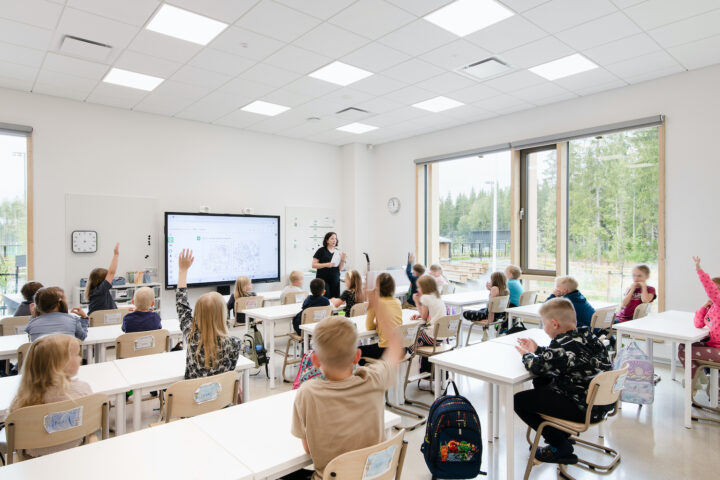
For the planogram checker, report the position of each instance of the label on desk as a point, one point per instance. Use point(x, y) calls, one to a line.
point(378, 463)
point(207, 392)
point(59, 421)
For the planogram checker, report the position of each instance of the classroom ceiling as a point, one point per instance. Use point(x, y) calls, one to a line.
point(270, 47)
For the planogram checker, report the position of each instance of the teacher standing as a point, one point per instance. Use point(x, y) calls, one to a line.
point(322, 262)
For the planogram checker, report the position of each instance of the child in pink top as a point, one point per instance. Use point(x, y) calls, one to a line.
point(637, 293)
point(707, 315)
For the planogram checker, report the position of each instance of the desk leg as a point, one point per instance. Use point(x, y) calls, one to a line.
point(246, 385)
point(271, 350)
point(137, 409)
point(437, 384)
point(496, 418)
point(506, 392)
point(688, 385)
point(673, 359)
point(120, 413)
point(101, 347)
point(649, 345)
point(90, 354)
point(713, 388)
point(491, 408)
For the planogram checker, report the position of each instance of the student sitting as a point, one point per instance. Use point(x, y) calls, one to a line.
point(563, 373)
point(28, 292)
point(413, 272)
point(143, 318)
point(352, 294)
point(50, 315)
point(97, 290)
point(567, 287)
point(315, 299)
point(346, 411)
point(385, 286)
point(243, 288)
point(436, 272)
point(430, 308)
point(296, 284)
point(47, 376)
point(498, 288)
point(514, 286)
point(210, 349)
point(637, 293)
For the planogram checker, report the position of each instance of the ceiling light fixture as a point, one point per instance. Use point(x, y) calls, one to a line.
point(438, 104)
point(464, 17)
point(564, 67)
point(265, 108)
point(126, 78)
point(357, 128)
point(340, 73)
point(185, 25)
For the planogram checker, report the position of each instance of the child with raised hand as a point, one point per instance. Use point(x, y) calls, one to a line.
point(567, 287)
point(47, 376)
point(637, 293)
point(210, 349)
point(352, 294)
point(383, 296)
point(563, 371)
point(498, 288)
point(243, 288)
point(97, 291)
point(706, 316)
point(50, 315)
point(346, 410)
point(413, 272)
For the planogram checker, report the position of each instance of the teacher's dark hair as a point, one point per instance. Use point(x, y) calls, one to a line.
point(327, 237)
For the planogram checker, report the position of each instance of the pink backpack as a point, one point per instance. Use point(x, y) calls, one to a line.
point(307, 370)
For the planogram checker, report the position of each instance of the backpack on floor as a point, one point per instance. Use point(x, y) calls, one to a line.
point(254, 347)
point(639, 384)
point(453, 438)
point(307, 370)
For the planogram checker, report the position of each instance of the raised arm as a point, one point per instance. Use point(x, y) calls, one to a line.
point(710, 288)
point(181, 301)
point(113, 264)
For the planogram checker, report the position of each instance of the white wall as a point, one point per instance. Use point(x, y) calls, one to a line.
point(97, 150)
point(692, 106)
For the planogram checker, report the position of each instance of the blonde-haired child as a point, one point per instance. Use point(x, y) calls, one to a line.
point(296, 283)
point(47, 377)
point(498, 288)
point(430, 307)
point(637, 293)
point(436, 271)
point(567, 287)
point(210, 349)
point(352, 294)
point(143, 318)
point(97, 290)
point(513, 274)
point(243, 288)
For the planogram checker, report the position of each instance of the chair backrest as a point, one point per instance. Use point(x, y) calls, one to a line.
point(14, 325)
point(21, 354)
point(137, 344)
point(384, 459)
point(246, 303)
point(315, 314)
point(641, 311)
point(408, 334)
point(359, 309)
point(606, 387)
point(603, 318)
point(196, 396)
point(294, 297)
point(528, 298)
point(53, 424)
point(448, 288)
point(447, 326)
point(100, 318)
point(498, 304)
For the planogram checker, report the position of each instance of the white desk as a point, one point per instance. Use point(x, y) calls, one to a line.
point(271, 296)
point(102, 378)
point(532, 312)
point(177, 450)
point(10, 343)
point(268, 449)
point(464, 299)
point(12, 301)
point(672, 326)
point(150, 373)
point(105, 336)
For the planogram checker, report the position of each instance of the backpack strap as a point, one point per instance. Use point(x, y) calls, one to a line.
point(452, 382)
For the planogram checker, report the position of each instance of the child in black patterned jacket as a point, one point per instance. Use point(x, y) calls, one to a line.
point(563, 373)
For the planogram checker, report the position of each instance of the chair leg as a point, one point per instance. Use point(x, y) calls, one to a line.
point(595, 467)
point(285, 360)
point(533, 449)
point(467, 341)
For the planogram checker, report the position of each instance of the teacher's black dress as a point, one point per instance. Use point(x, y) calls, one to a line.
point(330, 275)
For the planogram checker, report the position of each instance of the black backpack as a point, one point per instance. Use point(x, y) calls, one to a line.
point(254, 347)
point(453, 438)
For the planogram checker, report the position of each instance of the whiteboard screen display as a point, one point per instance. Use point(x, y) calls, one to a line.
point(224, 247)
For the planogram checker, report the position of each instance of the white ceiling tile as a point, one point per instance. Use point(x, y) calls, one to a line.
point(270, 75)
point(456, 54)
point(536, 53)
point(277, 21)
point(515, 81)
point(312, 127)
point(600, 87)
point(200, 76)
point(297, 59)
point(221, 62)
point(134, 12)
point(18, 72)
point(375, 57)
point(508, 34)
point(689, 30)
point(171, 90)
point(311, 87)
point(523, 5)
point(500, 102)
point(446, 82)
point(519, 107)
point(246, 90)
point(539, 92)
point(475, 93)
point(397, 116)
point(410, 95)
point(465, 112)
point(318, 8)
point(698, 54)
point(245, 43)
point(116, 95)
point(655, 13)
point(149, 65)
point(321, 107)
point(33, 12)
point(420, 7)
point(597, 32)
point(330, 41)
point(372, 18)
point(626, 3)
point(211, 107)
point(74, 66)
point(347, 97)
point(380, 105)
point(286, 98)
point(163, 46)
point(63, 85)
point(223, 10)
point(624, 49)
point(29, 57)
point(654, 74)
point(24, 35)
point(378, 85)
point(96, 28)
point(558, 15)
point(417, 38)
point(15, 83)
point(413, 71)
point(646, 64)
point(590, 78)
point(239, 119)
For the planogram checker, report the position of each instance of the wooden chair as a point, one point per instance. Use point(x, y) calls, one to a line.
point(101, 318)
point(188, 398)
point(352, 464)
point(603, 318)
point(26, 427)
point(447, 288)
point(294, 297)
point(528, 298)
point(21, 354)
point(604, 390)
point(137, 344)
point(246, 303)
point(495, 305)
point(641, 311)
point(702, 364)
point(359, 309)
point(14, 325)
point(309, 315)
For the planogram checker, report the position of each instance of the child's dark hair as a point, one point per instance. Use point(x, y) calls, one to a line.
point(418, 268)
point(97, 276)
point(47, 298)
point(317, 287)
point(385, 285)
point(28, 290)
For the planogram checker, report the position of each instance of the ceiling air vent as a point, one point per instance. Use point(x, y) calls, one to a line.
point(81, 47)
point(353, 113)
point(485, 69)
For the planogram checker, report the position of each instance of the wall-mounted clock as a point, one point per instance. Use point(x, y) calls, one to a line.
point(84, 241)
point(393, 205)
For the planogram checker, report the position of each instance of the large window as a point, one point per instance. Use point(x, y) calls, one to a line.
point(538, 218)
